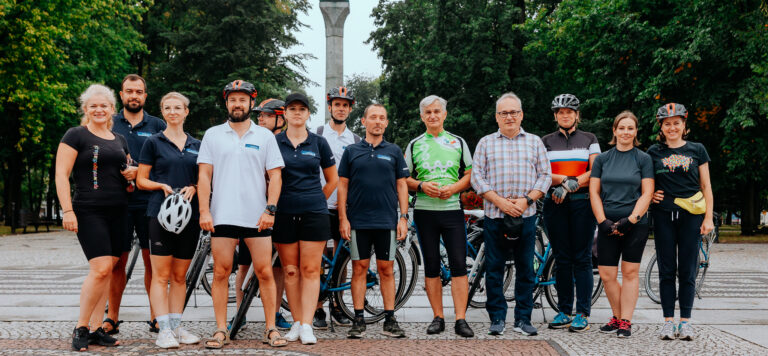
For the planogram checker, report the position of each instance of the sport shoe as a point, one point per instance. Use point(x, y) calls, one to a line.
point(580, 323)
point(306, 335)
point(318, 322)
point(243, 324)
point(166, 339)
point(436, 326)
point(668, 331)
point(280, 322)
point(392, 329)
point(293, 335)
point(185, 337)
point(80, 338)
point(497, 328)
point(100, 337)
point(611, 326)
point(462, 329)
point(685, 331)
point(561, 320)
point(524, 327)
point(625, 328)
point(339, 318)
point(357, 330)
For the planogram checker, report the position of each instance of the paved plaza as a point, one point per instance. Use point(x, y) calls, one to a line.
point(40, 275)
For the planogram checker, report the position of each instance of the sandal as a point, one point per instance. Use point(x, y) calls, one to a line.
point(273, 341)
point(115, 326)
point(153, 327)
point(217, 343)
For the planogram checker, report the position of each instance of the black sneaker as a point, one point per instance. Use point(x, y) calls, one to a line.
point(436, 326)
point(100, 337)
point(318, 322)
point(80, 338)
point(357, 330)
point(625, 329)
point(392, 329)
point(524, 327)
point(611, 326)
point(339, 318)
point(462, 329)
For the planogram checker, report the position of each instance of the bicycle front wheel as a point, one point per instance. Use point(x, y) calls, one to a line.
point(195, 270)
point(410, 277)
point(250, 293)
point(704, 257)
point(652, 280)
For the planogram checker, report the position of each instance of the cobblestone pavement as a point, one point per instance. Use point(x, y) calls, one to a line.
point(40, 275)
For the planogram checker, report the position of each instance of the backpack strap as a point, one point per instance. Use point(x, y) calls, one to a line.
point(320, 130)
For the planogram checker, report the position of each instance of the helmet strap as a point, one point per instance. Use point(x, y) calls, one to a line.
point(337, 122)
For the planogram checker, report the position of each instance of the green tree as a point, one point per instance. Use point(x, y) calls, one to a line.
point(367, 90)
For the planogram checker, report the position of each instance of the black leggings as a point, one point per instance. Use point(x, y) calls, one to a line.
point(430, 225)
point(677, 237)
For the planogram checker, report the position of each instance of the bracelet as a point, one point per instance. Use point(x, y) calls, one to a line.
point(67, 211)
point(418, 189)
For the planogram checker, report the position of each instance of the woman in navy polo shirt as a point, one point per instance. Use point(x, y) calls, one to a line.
point(301, 223)
point(169, 161)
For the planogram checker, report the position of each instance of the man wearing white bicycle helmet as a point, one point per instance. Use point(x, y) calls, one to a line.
point(168, 168)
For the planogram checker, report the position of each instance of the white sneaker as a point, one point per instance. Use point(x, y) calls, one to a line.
point(307, 335)
point(166, 339)
point(185, 337)
point(293, 334)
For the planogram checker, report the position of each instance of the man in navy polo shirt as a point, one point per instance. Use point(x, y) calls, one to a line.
point(372, 183)
point(136, 125)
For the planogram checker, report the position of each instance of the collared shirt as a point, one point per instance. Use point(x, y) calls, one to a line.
point(170, 165)
point(338, 144)
point(302, 191)
point(569, 156)
point(438, 159)
point(373, 173)
point(510, 166)
point(239, 166)
point(136, 136)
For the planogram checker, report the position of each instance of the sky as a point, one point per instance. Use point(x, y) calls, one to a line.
point(359, 58)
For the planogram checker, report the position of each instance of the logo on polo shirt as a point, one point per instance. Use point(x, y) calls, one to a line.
point(143, 134)
point(194, 152)
point(384, 157)
point(250, 145)
point(308, 153)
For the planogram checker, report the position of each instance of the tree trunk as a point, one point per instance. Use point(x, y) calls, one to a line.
point(748, 221)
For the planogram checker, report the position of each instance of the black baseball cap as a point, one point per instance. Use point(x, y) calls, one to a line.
point(296, 97)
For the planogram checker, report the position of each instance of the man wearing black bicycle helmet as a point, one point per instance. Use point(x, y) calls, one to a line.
point(271, 115)
point(239, 111)
point(682, 211)
point(568, 213)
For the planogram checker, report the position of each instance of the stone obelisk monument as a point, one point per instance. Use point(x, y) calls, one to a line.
point(334, 13)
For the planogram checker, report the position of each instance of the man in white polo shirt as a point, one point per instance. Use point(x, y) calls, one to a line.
point(340, 101)
point(233, 160)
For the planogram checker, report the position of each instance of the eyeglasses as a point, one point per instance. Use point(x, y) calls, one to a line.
point(505, 114)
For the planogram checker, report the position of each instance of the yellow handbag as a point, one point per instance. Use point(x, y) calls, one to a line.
point(695, 204)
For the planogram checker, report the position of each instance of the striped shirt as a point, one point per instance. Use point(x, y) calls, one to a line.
point(510, 166)
point(569, 156)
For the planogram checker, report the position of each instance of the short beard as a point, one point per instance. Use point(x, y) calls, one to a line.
point(137, 109)
point(245, 116)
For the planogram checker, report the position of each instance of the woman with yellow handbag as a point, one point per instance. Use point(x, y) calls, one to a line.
point(682, 212)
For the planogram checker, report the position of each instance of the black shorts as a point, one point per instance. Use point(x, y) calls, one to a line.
point(628, 248)
point(137, 220)
point(334, 221)
point(100, 229)
point(165, 243)
point(291, 228)
point(239, 232)
point(383, 242)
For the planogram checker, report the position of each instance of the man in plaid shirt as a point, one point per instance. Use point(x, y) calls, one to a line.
point(510, 171)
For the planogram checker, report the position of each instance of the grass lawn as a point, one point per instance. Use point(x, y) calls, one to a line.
point(6, 230)
point(732, 234)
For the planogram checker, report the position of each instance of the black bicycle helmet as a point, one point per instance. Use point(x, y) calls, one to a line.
point(340, 93)
point(240, 86)
point(565, 101)
point(271, 106)
point(670, 110)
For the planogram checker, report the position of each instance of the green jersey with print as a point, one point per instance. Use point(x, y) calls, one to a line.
point(438, 159)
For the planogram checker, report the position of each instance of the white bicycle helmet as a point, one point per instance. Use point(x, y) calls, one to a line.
point(175, 213)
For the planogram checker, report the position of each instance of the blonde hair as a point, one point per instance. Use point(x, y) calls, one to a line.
point(626, 114)
point(93, 91)
point(175, 95)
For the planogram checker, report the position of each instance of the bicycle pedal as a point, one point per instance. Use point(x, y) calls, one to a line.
point(536, 305)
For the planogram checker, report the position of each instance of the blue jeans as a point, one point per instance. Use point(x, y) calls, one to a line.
point(571, 228)
point(497, 252)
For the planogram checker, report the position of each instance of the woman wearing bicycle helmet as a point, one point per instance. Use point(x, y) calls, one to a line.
point(620, 190)
point(168, 165)
point(682, 212)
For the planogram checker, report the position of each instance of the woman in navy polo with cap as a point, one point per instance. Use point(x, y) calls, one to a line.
point(301, 222)
point(168, 162)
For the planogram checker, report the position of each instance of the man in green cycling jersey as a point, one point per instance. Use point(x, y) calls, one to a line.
point(440, 164)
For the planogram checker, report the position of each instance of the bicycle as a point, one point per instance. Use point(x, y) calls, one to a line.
point(335, 281)
point(652, 273)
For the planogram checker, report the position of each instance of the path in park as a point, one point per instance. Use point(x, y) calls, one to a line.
point(40, 275)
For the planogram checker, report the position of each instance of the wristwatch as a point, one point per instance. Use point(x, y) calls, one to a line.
point(529, 200)
point(418, 189)
point(404, 216)
point(271, 209)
